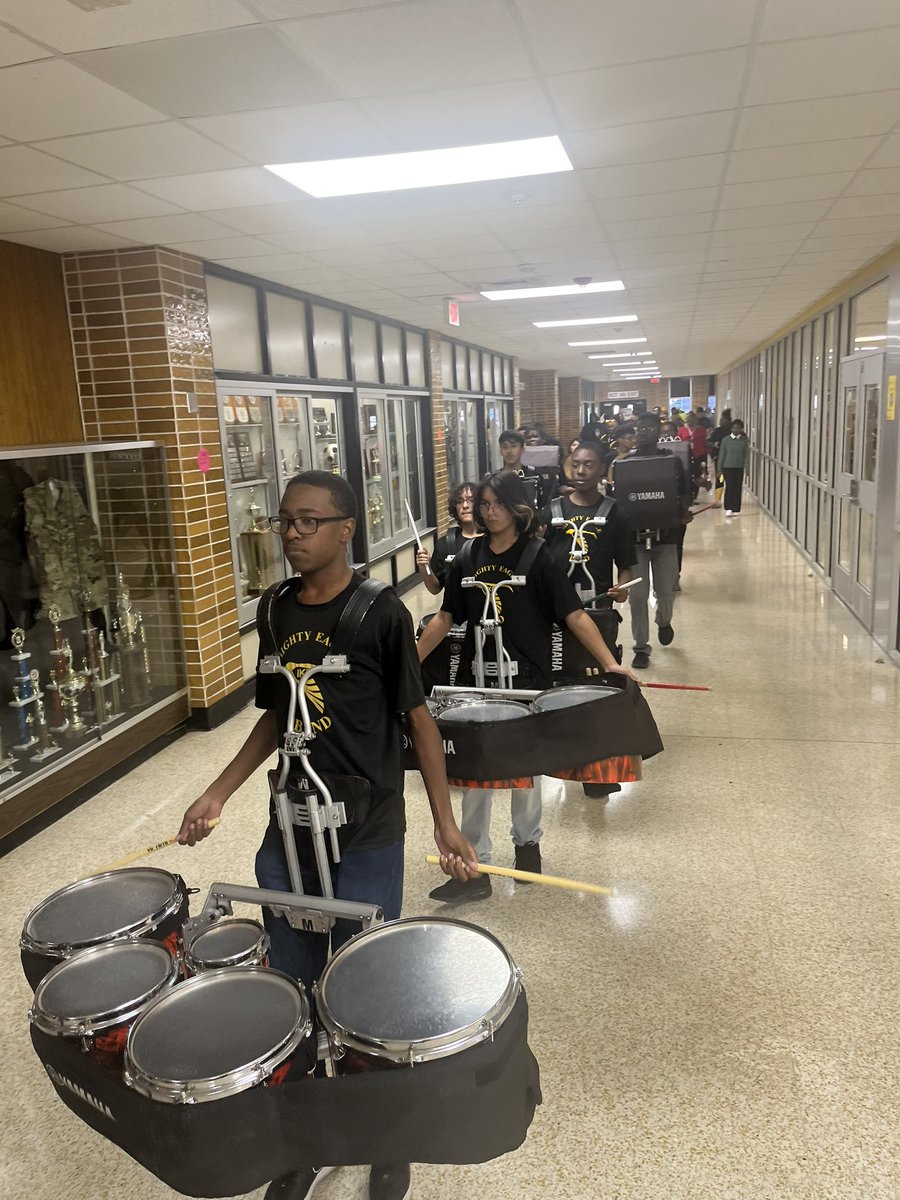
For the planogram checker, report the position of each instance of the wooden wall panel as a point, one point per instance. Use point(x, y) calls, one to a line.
point(38, 391)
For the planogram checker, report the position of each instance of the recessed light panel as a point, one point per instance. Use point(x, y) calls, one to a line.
point(609, 342)
point(564, 289)
point(586, 321)
point(425, 168)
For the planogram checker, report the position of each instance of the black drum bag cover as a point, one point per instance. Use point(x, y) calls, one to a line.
point(647, 492)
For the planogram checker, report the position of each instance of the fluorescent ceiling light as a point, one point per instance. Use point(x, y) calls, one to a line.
point(881, 337)
point(425, 168)
point(564, 289)
point(621, 354)
point(618, 366)
point(609, 342)
point(586, 321)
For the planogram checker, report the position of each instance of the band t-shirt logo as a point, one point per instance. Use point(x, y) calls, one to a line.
point(355, 716)
point(607, 545)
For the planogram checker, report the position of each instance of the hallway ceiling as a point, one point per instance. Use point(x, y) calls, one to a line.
point(733, 161)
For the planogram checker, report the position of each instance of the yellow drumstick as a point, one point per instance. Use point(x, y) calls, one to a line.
point(571, 885)
point(135, 855)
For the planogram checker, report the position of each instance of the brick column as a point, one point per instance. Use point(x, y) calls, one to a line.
point(438, 436)
point(142, 346)
point(569, 409)
point(540, 400)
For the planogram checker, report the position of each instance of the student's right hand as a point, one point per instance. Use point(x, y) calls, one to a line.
point(423, 558)
point(195, 822)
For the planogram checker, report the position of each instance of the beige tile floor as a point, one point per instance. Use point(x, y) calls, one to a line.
point(725, 1027)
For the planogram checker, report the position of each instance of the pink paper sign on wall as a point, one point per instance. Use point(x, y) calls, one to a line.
point(203, 459)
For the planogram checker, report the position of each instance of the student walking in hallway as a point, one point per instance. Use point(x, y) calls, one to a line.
point(733, 454)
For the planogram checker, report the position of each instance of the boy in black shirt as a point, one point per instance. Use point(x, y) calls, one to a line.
point(512, 443)
point(356, 719)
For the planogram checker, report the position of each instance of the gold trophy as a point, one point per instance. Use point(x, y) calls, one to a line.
point(70, 688)
point(46, 744)
point(132, 651)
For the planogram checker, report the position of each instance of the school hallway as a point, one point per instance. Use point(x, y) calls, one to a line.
point(725, 1026)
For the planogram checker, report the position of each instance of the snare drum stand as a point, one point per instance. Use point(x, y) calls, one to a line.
point(492, 623)
point(579, 555)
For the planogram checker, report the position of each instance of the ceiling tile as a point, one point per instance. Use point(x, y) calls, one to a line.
point(51, 98)
point(769, 215)
point(696, 83)
point(308, 240)
point(784, 162)
point(67, 28)
point(651, 141)
point(25, 170)
point(143, 151)
point(856, 226)
point(817, 120)
point(14, 219)
point(303, 213)
point(663, 204)
point(798, 18)
point(184, 227)
point(16, 49)
point(527, 191)
point(210, 73)
point(70, 239)
point(221, 189)
point(111, 202)
point(262, 264)
point(658, 227)
point(760, 235)
point(818, 66)
point(354, 257)
point(298, 133)
point(477, 113)
point(228, 247)
point(784, 191)
point(645, 178)
point(282, 10)
point(366, 55)
point(571, 35)
point(526, 216)
point(875, 183)
point(866, 206)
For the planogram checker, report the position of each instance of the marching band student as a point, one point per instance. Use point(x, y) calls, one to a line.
point(316, 522)
point(529, 613)
point(447, 547)
point(512, 443)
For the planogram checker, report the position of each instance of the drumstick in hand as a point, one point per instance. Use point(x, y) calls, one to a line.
point(557, 881)
point(136, 854)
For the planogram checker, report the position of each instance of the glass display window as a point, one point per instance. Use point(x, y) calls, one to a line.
point(328, 342)
point(234, 325)
point(461, 440)
point(90, 631)
point(415, 359)
point(288, 341)
point(392, 456)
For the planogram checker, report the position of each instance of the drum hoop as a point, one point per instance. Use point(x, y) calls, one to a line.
point(137, 929)
point(420, 1050)
point(91, 1023)
point(572, 688)
point(227, 1083)
point(252, 956)
point(480, 702)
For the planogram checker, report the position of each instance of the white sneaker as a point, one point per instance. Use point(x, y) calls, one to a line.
point(728, 512)
point(734, 514)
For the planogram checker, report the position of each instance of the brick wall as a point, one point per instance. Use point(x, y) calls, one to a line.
point(142, 343)
point(569, 408)
point(539, 400)
point(436, 346)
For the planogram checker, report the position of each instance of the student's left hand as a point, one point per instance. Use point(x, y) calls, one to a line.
point(458, 857)
point(618, 670)
point(617, 594)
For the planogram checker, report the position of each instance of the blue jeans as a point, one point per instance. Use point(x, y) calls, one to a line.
point(372, 876)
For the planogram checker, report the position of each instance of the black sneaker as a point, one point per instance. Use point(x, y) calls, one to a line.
point(392, 1182)
point(599, 791)
point(297, 1185)
point(528, 858)
point(454, 891)
point(666, 635)
point(641, 660)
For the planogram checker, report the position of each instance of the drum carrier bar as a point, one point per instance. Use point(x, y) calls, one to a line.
point(579, 554)
point(318, 811)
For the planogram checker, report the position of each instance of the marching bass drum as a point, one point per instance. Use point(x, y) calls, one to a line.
point(570, 697)
point(481, 710)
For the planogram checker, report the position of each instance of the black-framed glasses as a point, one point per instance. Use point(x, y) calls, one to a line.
point(305, 525)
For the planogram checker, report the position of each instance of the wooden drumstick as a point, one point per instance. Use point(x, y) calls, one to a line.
point(557, 881)
point(136, 854)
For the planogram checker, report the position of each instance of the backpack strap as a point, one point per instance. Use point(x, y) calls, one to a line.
point(528, 555)
point(464, 556)
point(605, 509)
point(454, 537)
point(354, 614)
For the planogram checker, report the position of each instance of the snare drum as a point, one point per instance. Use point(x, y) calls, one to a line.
point(137, 902)
point(480, 710)
point(571, 697)
point(95, 996)
point(414, 990)
point(230, 942)
point(218, 1034)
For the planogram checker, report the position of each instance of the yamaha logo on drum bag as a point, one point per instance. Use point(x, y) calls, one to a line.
point(634, 497)
point(64, 1082)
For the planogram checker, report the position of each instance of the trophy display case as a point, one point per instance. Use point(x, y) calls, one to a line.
point(269, 436)
point(90, 631)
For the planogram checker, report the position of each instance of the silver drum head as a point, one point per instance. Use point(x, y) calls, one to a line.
point(228, 943)
point(417, 989)
point(102, 986)
point(570, 697)
point(216, 1034)
point(484, 709)
point(100, 909)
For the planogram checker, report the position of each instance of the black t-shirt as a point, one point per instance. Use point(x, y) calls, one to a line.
point(607, 544)
point(446, 547)
point(528, 613)
point(356, 717)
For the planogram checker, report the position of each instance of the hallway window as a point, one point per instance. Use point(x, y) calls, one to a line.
point(869, 318)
